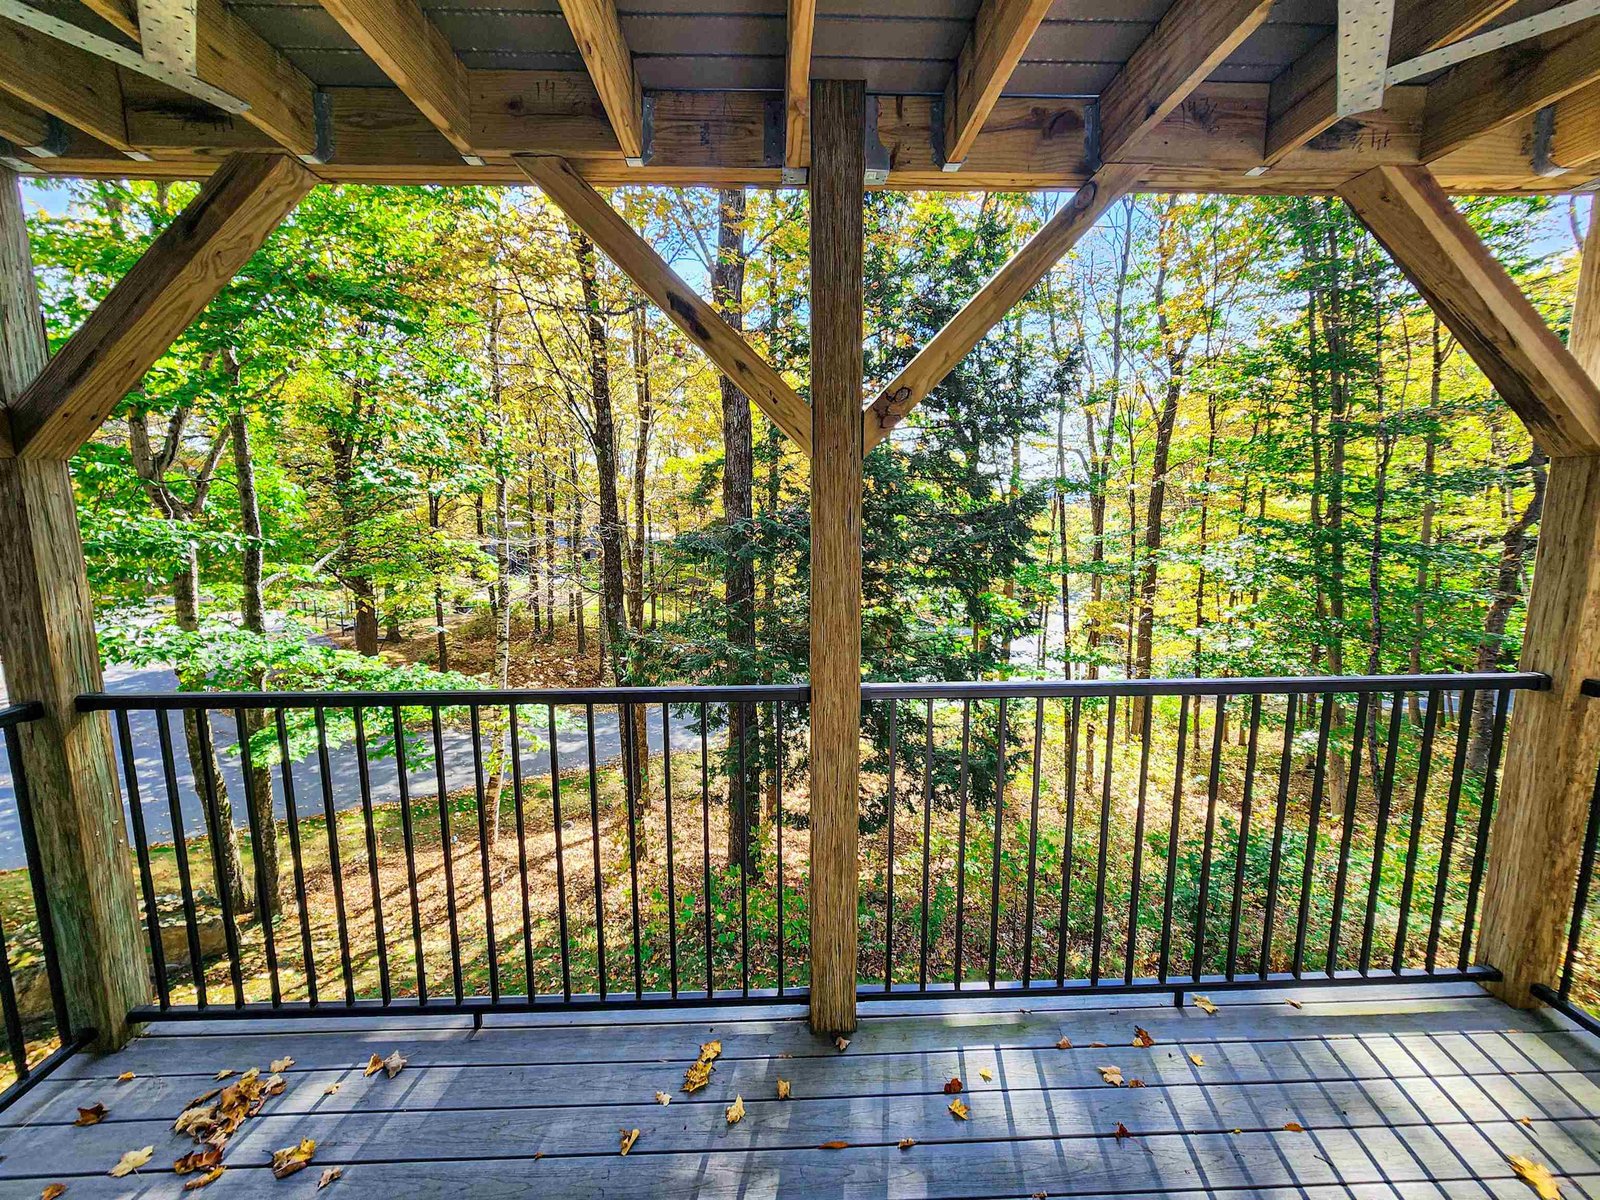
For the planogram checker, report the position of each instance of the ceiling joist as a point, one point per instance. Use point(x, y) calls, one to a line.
point(79, 88)
point(598, 31)
point(30, 130)
point(1000, 34)
point(797, 90)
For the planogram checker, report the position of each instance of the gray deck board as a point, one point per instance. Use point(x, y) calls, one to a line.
point(1405, 1093)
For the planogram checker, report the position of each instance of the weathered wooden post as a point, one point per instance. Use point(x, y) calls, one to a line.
point(838, 163)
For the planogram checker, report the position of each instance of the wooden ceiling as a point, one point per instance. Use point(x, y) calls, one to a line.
point(1228, 95)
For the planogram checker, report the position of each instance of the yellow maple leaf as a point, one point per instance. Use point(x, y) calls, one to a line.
point(281, 1064)
point(374, 1065)
point(1535, 1175)
point(985, 1074)
point(224, 1073)
point(697, 1076)
point(287, 1161)
point(710, 1051)
point(783, 1089)
point(1203, 1003)
point(125, 1077)
point(1198, 1060)
point(629, 1137)
point(958, 1109)
point(735, 1112)
point(52, 1191)
point(206, 1180)
point(131, 1162)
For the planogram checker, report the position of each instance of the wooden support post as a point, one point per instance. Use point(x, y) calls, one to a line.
point(838, 164)
point(1553, 741)
point(47, 643)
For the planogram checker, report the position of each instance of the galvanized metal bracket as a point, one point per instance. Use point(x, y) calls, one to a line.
point(647, 122)
point(1544, 134)
point(11, 156)
point(322, 128)
point(775, 143)
point(1091, 137)
point(877, 173)
point(936, 136)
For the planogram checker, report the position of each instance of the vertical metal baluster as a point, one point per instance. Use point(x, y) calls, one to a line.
point(1242, 848)
point(672, 894)
point(1430, 724)
point(447, 852)
point(1213, 782)
point(1070, 717)
point(1138, 842)
point(23, 798)
point(631, 759)
point(961, 835)
point(515, 732)
point(599, 881)
point(888, 907)
point(403, 779)
point(481, 798)
point(927, 835)
point(335, 870)
point(561, 861)
point(1173, 822)
point(777, 777)
point(1452, 811)
point(1351, 795)
point(1308, 873)
point(744, 843)
point(1280, 816)
point(206, 769)
point(141, 846)
point(264, 900)
point(1480, 846)
point(15, 1041)
point(1033, 844)
point(1580, 902)
point(1104, 844)
point(705, 842)
point(291, 812)
point(180, 847)
point(999, 826)
point(364, 771)
point(1381, 834)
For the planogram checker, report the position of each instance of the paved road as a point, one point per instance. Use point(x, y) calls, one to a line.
point(571, 745)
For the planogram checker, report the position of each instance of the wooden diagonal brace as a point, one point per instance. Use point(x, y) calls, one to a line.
point(589, 211)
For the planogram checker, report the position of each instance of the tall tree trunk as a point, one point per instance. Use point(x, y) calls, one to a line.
point(1429, 508)
point(575, 555)
point(494, 728)
point(549, 552)
point(441, 642)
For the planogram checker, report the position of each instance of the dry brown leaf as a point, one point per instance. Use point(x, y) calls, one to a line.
point(131, 1162)
point(329, 1175)
point(393, 1063)
point(52, 1191)
point(1064, 1044)
point(1293, 1127)
point(958, 1109)
point(1133, 1083)
point(843, 1043)
point(735, 1111)
point(126, 1077)
point(1537, 1176)
point(225, 1073)
point(198, 1160)
point(273, 1085)
point(834, 1145)
point(92, 1115)
point(985, 1074)
point(783, 1089)
point(629, 1137)
point(374, 1065)
point(1122, 1132)
point(206, 1180)
point(1041, 1196)
point(1203, 1003)
point(1198, 1060)
point(906, 1143)
point(280, 1064)
point(1097, 1045)
point(1142, 1038)
point(1293, 1003)
point(953, 1086)
point(663, 1099)
point(1112, 1075)
point(710, 1051)
point(290, 1159)
point(331, 1090)
point(697, 1076)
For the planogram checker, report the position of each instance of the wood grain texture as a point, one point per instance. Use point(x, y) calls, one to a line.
point(1407, 211)
point(838, 162)
point(1000, 34)
point(1576, 141)
point(995, 299)
point(22, 124)
point(409, 49)
point(1496, 88)
point(797, 84)
point(1305, 95)
point(122, 15)
point(192, 260)
point(48, 646)
point(598, 32)
point(1189, 42)
point(68, 83)
point(232, 56)
point(703, 325)
point(1553, 740)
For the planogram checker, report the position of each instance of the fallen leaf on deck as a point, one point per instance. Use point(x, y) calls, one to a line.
point(225, 1073)
point(1293, 1127)
point(834, 1145)
point(1203, 1003)
point(1198, 1060)
point(273, 1085)
point(331, 1089)
point(843, 1043)
point(126, 1077)
point(206, 1180)
point(663, 1099)
point(290, 1159)
point(953, 1087)
point(92, 1115)
point(1238, 1131)
point(393, 1063)
point(280, 1064)
point(735, 1112)
point(1112, 1075)
point(374, 1065)
point(1142, 1038)
point(1122, 1132)
point(329, 1175)
point(1041, 1196)
point(1097, 1045)
point(1064, 1044)
point(52, 1191)
point(1537, 1176)
point(697, 1076)
point(198, 1160)
point(629, 1137)
point(985, 1074)
point(958, 1109)
point(131, 1162)
point(710, 1051)
point(783, 1089)
point(906, 1143)
point(1293, 1003)
point(1133, 1083)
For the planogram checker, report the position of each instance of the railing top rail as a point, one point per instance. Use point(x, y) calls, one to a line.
point(710, 694)
point(1279, 685)
point(20, 714)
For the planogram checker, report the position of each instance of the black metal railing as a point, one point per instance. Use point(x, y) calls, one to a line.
point(1577, 993)
point(463, 850)
point(39, 1033)
point(1159, 835)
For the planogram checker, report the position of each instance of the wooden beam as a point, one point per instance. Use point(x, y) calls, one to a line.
point(410, 49)
point(1480, 95)
point(598, 32)
point(1439, 252)
point(994, 299)
point(838, 163)
point(121, 15)
point(1190, 42)
point(232, 56)
point(1304, 99)
point(704, 326)
point(32, 130)
point(797, 86)
point(1575, 137)
point(79, 88)
point(47, 643)
point(1000, 34)
point(189, 263)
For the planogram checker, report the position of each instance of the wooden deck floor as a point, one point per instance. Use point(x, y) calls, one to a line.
point(1413, 1093)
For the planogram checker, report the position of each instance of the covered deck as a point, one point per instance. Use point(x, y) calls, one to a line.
point(1423, 1090)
